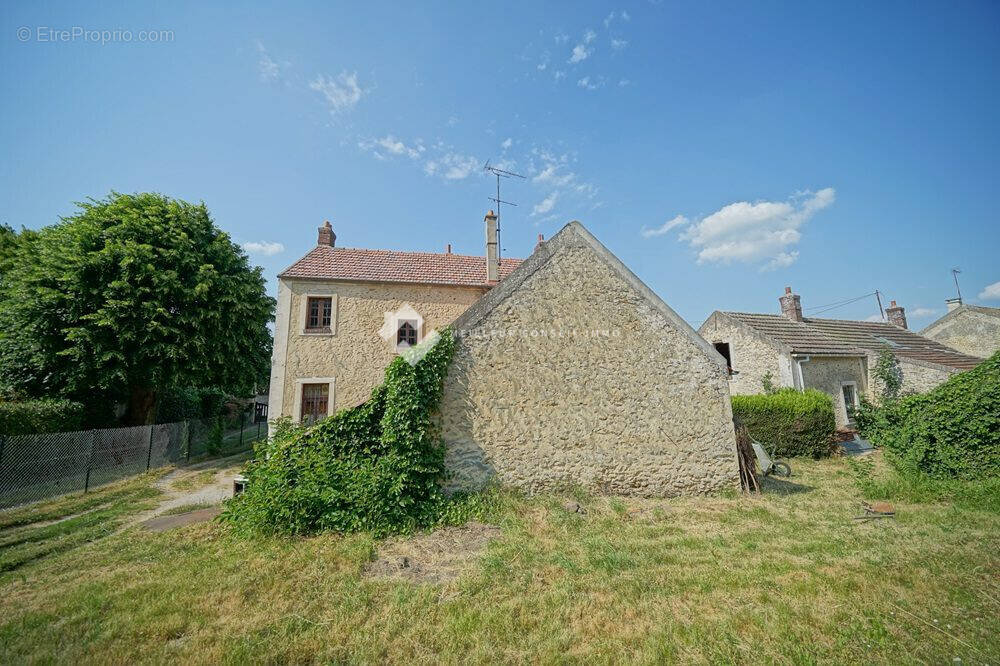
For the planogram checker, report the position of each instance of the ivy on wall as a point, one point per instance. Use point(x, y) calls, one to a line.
point(376, 467)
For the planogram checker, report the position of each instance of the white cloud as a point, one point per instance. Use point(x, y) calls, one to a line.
point(264, 248)
point(607, 21)
point(678, 221)
point(268, 68)
point(922, 312)
point(342, 93)
point(507, 143)
point(623, 82)
point(579, 54)
point(392, 146)
point(618, 44)
point(451, 166)
point(558, 74)
point(754, 232)
point(991, 292)
point(626, 16)
point(589, 36)
point(589, 84)
point(561, 38)
point(545, 205)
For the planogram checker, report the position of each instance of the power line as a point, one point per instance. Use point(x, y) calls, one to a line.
point(820, 309)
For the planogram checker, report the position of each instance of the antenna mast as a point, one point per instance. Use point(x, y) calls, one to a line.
point(500, 173)
point(954, 274)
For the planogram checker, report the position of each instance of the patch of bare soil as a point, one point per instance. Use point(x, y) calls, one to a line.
point(437, 557)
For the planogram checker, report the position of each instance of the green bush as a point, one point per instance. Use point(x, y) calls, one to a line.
point(213, 402)
point(952, 431)
point(34, 416)
point(178, 403)
point(789, 422)
point(376, 467)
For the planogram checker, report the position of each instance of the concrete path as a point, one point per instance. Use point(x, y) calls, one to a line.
point(858, 447)
point(214, 491)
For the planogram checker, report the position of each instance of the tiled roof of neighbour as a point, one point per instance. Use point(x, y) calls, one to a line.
point(839, 336)
point(324, 262)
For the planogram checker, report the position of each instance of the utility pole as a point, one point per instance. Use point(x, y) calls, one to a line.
point(878, 297)
point(954, 274)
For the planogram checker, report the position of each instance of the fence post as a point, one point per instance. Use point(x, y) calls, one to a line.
point(149, 447)
point(241, 429)
point(3, 440)
point(188, 455)
point(90, 460)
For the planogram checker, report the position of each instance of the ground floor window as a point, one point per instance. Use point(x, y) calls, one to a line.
point(850, 391)
point(315, 402)
point(406, 333)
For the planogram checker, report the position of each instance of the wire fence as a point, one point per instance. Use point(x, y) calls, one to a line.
point(36, 467)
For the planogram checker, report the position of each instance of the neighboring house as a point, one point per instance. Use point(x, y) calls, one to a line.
point(344, 313)
point(972, 329)
point(831, 355)
point(572, 371)
point(567, 371)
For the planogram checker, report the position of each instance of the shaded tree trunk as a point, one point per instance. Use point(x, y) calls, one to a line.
point(141, 406)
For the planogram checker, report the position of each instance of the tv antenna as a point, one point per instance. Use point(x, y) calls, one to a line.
point(500, 173)
point(954, 274)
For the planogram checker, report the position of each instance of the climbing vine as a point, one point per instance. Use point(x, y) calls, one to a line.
point(376, 467)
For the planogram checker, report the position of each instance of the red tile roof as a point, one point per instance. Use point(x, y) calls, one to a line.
point(324, 262)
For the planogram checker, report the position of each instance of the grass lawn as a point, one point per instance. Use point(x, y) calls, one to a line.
point(785, 577)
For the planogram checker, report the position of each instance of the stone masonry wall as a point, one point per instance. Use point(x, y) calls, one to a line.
point(355, 354)
point(752, 356)
point(537, 400)
point(919, 378)
point(828, 375)
point(969, 332)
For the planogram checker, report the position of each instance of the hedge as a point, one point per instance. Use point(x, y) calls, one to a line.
point(35, 416)
point(789, 422)
point(181, 403)
point(953, 431)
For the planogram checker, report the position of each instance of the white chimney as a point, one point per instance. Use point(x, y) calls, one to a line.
point(953, 303)
point(492, 265)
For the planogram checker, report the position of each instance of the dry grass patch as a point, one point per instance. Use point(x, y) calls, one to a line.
point(436, 557)
point(784, 577)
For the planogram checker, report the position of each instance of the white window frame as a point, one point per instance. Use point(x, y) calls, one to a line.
point(300, 382)
point(304, 318)
point(418, 324)
point(857, 398)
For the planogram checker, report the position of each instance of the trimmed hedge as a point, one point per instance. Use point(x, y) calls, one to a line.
point(35, 416)
point(952, 431)
point(789, 422)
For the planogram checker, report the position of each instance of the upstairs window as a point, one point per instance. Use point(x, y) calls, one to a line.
point(723, 349)
point(406, 333)
point(319, 313)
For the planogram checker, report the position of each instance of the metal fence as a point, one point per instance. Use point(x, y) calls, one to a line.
point(35, 467)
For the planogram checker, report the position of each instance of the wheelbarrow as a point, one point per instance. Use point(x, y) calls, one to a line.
point(767, 465)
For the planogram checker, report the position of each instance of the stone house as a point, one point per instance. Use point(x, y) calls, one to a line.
point(567, 370)
point(971, 329)
point(835, 356)
point(343, 314)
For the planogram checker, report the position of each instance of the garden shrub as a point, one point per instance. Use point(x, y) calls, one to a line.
point(35, 416)
point(213, 402)
point(178, 403)
point(789, 422)
point(376, 467)
point(953, 431)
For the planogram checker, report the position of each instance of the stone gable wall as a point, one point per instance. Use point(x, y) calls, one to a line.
point(752, 356)
point(576, 379)
point(969, 332)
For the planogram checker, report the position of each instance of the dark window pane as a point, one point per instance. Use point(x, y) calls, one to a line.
point(406, 335)
point(315, 401)
point(319, 313)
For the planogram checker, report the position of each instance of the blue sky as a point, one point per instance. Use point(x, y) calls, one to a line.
point(722, 151)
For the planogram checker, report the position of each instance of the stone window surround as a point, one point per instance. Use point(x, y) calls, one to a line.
point(304, 319)
point(418, 323)
point(302, 381)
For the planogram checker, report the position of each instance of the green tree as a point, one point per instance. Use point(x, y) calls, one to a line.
point(132, 294)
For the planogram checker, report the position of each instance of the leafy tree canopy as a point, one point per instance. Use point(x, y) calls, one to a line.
point(132, 294)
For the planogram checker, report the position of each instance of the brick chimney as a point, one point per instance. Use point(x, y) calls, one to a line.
point(326, 235)
point(492, 267)
point(541, 239)
point(896, 315)
point(791, 305)
point(953, 303)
